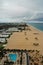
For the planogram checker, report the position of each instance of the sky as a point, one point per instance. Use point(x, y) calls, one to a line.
point(19, 10)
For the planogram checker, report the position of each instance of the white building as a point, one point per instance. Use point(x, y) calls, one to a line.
point(4, 36)
point(6, 33)
point(12, 30)
point(3, 40)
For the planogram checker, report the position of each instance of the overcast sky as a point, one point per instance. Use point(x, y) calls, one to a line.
point(11, 9)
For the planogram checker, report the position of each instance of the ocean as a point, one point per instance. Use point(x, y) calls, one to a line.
point(37, 25)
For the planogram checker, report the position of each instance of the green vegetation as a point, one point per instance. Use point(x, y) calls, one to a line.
point(1, 47)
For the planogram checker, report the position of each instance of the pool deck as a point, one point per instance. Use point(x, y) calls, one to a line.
point(17, 62)
point(24, 57)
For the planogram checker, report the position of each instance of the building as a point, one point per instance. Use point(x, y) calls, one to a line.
point(6, 33)
point(3, 40)
point(4, 36)
point(12, 30)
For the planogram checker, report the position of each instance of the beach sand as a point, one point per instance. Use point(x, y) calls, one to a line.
point(25, 40)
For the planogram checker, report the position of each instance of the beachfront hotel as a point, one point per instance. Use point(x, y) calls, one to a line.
point(23, 47)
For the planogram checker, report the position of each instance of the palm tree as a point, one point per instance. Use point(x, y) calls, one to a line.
point(32, 60)
point(31, 64)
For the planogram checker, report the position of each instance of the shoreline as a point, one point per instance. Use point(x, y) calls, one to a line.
point(35, 28)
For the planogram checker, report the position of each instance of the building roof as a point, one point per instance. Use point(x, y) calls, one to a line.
point(12, 29)
point(5, 36)
point(6, 33)
point(2, 40)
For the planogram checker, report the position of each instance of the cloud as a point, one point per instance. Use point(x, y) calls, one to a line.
point(37, 16)
point(9, 9)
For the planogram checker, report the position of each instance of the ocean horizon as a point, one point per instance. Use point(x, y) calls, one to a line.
point(38, 26)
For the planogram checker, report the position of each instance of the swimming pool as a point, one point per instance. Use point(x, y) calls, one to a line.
point(13, 57)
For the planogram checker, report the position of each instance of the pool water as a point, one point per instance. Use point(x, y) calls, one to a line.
point(13, 57)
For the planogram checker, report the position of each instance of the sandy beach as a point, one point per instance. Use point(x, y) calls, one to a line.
point(25, 40)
